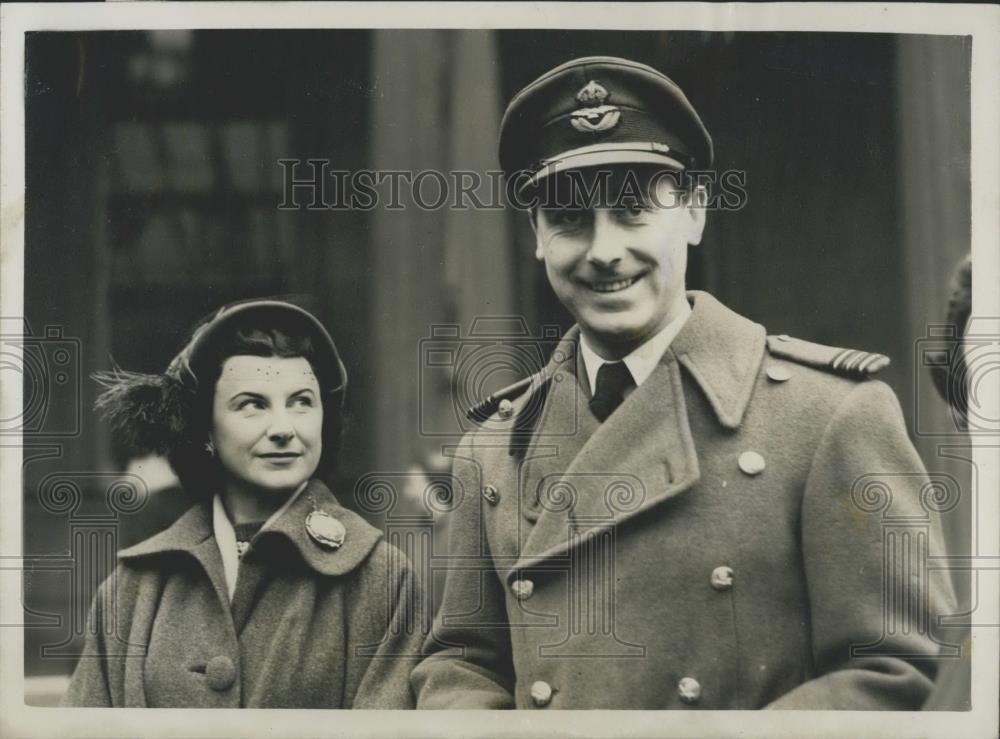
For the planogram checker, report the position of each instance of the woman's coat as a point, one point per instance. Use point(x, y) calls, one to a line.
point(308, 627)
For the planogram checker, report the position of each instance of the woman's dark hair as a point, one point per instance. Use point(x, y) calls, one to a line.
point(199, 471)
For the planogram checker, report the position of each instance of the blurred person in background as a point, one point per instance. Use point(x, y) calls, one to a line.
point(954, 682)
point(266, 592)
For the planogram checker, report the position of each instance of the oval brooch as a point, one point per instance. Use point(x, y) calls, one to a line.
point(325, 530)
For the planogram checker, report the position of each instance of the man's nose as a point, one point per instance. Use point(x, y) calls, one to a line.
point(607, 242)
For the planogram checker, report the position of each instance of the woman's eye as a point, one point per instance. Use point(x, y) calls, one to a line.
point(251, 404)
point(303, 401)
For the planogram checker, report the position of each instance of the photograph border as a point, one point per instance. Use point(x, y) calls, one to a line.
point(981, 22)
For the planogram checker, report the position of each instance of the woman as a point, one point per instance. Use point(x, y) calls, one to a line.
point(266, 593)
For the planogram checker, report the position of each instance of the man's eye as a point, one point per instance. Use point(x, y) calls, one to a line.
point(566, 216)
point(633, 210)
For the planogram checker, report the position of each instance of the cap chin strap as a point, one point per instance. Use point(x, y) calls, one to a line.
point(595, 155)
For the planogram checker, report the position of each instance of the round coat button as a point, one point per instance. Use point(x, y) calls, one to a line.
point(491, 494)
point(722, 578)
point(522, 589)
point(541, 693)
point(220, 672)
point(689, 690)
point(751, 463)
point(505, 409)
point(778, 374)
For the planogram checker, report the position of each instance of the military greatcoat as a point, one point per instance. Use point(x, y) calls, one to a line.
point(745, 531)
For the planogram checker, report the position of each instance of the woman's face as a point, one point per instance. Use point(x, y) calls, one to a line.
point(267, 422)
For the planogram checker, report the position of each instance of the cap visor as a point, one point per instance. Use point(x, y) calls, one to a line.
point(603, 155)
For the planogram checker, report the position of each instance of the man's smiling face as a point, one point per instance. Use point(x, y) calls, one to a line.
point(619, 267)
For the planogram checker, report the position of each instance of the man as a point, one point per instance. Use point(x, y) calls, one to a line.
point(683, 512)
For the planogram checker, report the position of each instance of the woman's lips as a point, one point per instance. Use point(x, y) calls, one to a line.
point(280, 456)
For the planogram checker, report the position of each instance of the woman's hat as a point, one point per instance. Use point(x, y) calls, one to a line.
point(191, 363)
point(149, 412)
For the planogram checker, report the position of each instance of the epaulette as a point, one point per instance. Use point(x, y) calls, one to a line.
point(491, 404)
point(525, 417)
point(847, 362)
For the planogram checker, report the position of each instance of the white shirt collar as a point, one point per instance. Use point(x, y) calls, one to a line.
point(225, 535)
point(643, 360)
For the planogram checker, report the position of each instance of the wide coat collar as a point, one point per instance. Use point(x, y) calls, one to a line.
point(192, 533)
point(723, 352)
point(644, 453)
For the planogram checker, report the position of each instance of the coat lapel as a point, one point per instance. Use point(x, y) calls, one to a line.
point(723, 352)
point(360, 537)
point(191, 534)
point(560, 434)
point(644, 453)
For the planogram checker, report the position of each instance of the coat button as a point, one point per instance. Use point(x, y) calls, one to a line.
point(689, 690)
point(505, 409)
point(751, 463)
point(778, 374)
point(541, 693)
point(722, 578)
point(491, 494)
point(522, 589)
point(220, 672)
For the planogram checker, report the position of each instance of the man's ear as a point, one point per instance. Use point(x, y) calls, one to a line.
point(696, 207)
point(533, 220)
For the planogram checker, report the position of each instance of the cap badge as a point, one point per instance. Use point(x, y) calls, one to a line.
point(592, 92)
point(325, 530)
point(599, 118)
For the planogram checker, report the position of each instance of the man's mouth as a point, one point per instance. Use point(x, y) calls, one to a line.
point(613, 286)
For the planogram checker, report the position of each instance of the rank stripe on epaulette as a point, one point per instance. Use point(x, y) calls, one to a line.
point(847, 362)
point(859, 362)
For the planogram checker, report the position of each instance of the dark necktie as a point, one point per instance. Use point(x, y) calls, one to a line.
point(613, 379)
